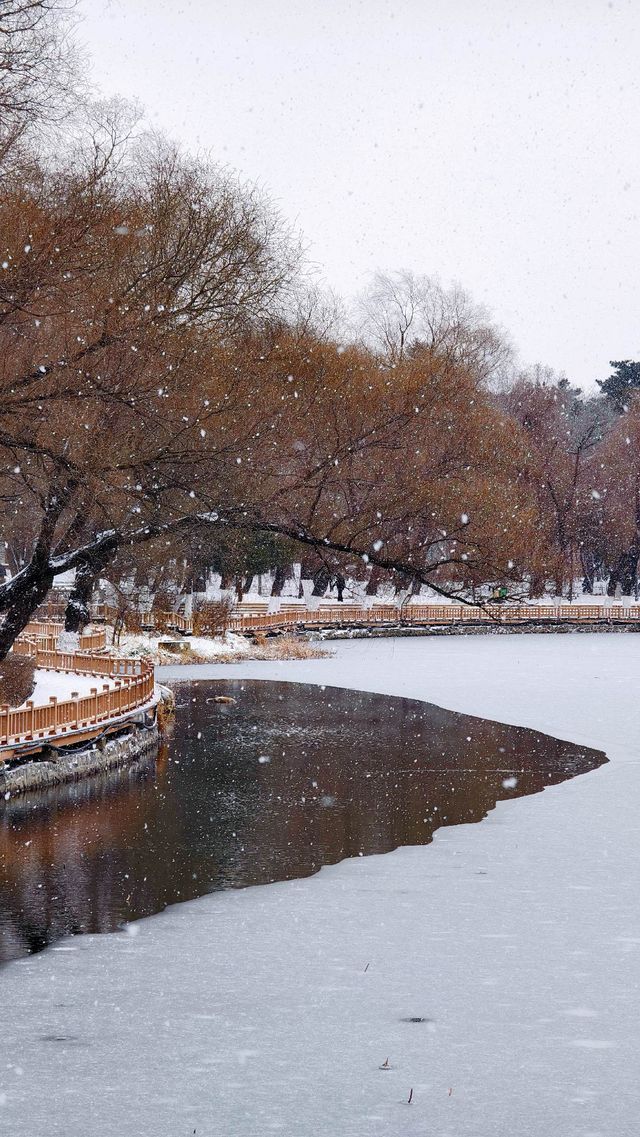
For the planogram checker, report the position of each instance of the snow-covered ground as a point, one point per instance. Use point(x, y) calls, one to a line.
point(355, 592)
point(275, 1009)
point(141, 644)
point(62, 684)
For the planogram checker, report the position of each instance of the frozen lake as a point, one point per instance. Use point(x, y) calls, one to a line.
point(286, 778)
point(495, 972)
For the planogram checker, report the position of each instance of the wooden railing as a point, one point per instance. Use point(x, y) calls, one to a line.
point(436, 615)
point(132, 680)
point(45, 633)
point(174, 621)
point(295, 616)
point(149, 620)
point(132, 686)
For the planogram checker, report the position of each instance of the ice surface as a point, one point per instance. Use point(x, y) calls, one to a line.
point(497, 969)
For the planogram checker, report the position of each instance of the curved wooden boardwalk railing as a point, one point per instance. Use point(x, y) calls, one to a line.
point(291, 614)
point(132, 680)
point(255, 617)
point(131, 688)
point(45, 634)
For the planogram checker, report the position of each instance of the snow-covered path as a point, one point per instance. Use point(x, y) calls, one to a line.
point(272, 1010)
point(62, 684)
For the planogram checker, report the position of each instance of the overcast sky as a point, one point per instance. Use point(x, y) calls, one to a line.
point(494, 143)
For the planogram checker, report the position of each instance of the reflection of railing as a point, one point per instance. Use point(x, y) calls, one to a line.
point(131, 687)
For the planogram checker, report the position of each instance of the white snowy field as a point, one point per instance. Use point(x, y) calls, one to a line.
point(140, 644)
point(62, 684)
point(272, 1010)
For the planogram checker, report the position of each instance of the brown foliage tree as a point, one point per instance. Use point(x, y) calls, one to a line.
point(561, 436)
point(615, 490)
point(120, 285)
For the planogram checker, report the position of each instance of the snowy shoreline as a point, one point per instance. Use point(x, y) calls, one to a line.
point(273, 1009)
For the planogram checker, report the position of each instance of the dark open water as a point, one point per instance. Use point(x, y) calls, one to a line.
point(288, 778)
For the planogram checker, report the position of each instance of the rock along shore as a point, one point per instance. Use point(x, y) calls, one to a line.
point(72, 765)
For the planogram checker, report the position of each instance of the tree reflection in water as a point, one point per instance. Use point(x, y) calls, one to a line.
point(288, 778)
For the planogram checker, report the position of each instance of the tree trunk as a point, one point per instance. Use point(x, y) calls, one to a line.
point(373, 582)
point(77, 614)
point(239, 586)
point(625, 573)
point(589, 570)
point(536, 587)
point(340, 585)
point(402, 583)
point(321, 582)
point(22, 596)
point(282, 574)
point(25, 601)
point(308, 570)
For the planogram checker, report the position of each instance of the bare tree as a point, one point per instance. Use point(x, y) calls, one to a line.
point(403, 314)
point(38, 65)
point(318, 312)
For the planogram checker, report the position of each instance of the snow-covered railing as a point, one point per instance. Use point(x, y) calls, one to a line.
point(520, 613)
point(45, 634)
point(131, 686)
point(435, 615)
point(293, 614)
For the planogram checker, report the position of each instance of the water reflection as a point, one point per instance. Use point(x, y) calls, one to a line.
point(285, 779)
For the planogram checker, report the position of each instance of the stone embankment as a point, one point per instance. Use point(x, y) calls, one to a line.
point(402, 631)
point(53, 767)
